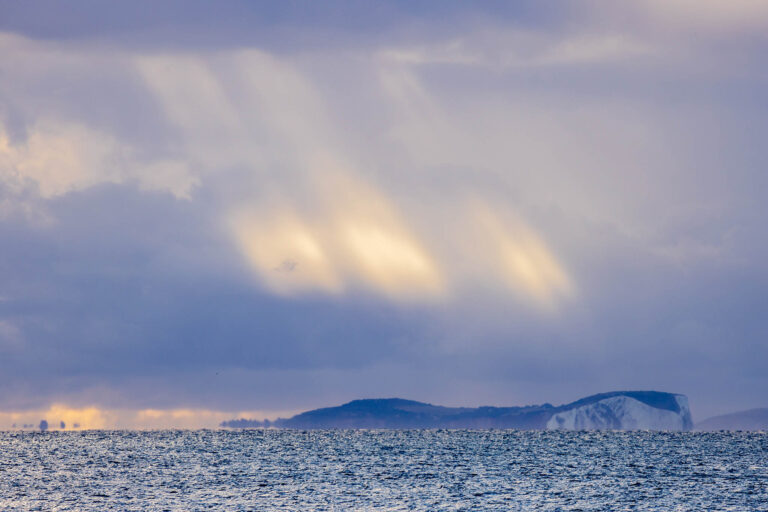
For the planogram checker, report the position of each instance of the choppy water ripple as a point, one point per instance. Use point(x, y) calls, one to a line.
point(383, 470)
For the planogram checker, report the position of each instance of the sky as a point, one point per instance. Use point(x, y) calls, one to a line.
point(252, 209)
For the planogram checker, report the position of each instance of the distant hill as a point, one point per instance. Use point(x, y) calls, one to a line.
point(621, 410)
point(753, 419)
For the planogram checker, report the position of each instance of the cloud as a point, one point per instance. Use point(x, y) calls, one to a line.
point(517, 49)
point(710, 15)
point(355, 239)
point(10, 337)
point(508, 205)
point(526, 262)
point(59, 158)
point(287, 254)
point(356, 236)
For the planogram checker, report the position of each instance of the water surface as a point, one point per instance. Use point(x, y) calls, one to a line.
point(383, 470)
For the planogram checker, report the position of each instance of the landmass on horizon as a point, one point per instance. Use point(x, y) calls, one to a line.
point(617, 410)
point(750, 420)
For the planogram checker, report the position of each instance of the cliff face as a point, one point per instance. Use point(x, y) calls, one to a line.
point(620, 410)
point(624, 412)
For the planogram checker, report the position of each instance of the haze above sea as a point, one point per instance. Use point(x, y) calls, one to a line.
point(383, 470)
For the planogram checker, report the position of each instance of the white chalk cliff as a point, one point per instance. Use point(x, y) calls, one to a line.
point(623, 413)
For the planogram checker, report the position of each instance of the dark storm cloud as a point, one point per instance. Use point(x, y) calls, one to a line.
point(179, 23)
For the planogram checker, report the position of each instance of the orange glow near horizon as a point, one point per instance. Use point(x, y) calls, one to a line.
point(94, 418)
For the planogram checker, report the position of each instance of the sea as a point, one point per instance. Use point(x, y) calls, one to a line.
point(435, 470)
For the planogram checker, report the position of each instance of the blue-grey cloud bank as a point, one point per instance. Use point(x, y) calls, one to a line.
point(274, 207)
